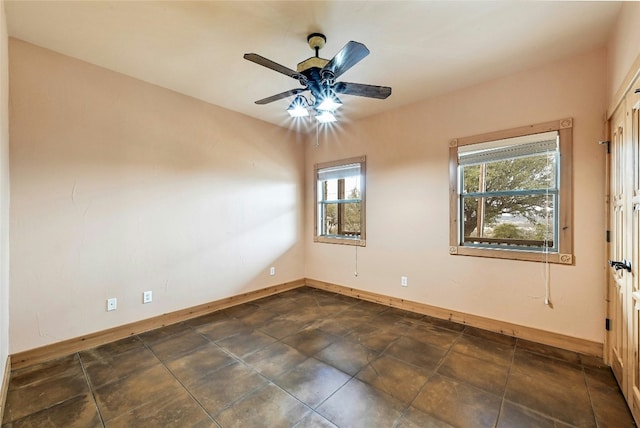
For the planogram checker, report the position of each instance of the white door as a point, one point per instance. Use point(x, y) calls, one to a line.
point(633, 109)
point(618, 336)
point(623, 339)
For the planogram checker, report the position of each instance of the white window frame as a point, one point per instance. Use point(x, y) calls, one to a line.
point(562, 251)
point(320, 203)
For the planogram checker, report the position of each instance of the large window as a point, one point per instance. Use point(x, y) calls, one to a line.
point(511, 194)
point(340, 197)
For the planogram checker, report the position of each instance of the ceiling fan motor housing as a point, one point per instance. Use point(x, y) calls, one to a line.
point(313, 62)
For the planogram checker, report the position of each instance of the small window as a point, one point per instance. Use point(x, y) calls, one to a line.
point(511, 194)
point(340, 199)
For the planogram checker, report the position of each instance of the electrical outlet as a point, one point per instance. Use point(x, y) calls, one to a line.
point(403, 281)
point(112, 304)
point(272, 271)
point(147, 296)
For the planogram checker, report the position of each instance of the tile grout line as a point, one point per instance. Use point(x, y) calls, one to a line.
point(181, 384)
point(381, 353)
point(395, 424)
point(378, 356)
point(314, 409)
point(240, 360)
point(586, 384)
point(298, 400)
point(236, 359)
point(60, 402)
point(351, 377)
point(272, 381)
point(435, 371)
point(535, 411)
point(506, 383)
point(145, 345)
point(93, 394)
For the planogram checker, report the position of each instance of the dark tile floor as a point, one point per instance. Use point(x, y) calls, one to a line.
point(309, 358)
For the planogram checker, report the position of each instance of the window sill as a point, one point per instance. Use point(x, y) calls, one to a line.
point(496, 253)
point(342, 241)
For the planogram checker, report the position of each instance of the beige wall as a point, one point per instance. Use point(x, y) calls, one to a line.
point(119, 186)
point(624, 47)
point(408, 208)
point(4, 193)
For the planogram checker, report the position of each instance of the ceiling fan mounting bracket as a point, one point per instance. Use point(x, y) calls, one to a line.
point(316, 41)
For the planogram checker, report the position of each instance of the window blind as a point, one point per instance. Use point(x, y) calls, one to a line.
point(491, 153)
point(338, 172)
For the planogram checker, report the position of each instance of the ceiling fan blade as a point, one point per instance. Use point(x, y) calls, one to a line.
point(260, 60)
point(280, 96)
point(351, 54)
point(358, 89)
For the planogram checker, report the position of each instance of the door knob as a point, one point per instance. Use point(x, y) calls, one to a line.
point(624, 264)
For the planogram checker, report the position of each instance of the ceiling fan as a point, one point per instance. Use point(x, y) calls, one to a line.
point(318, 76)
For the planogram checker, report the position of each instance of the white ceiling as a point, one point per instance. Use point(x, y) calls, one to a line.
point(419, 48)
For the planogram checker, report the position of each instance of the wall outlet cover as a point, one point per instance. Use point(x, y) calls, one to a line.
point(147, 297)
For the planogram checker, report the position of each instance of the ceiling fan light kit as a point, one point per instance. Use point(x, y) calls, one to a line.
point(326, 117)
point(330, 102)
point(299, 107)
point(318, 76)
